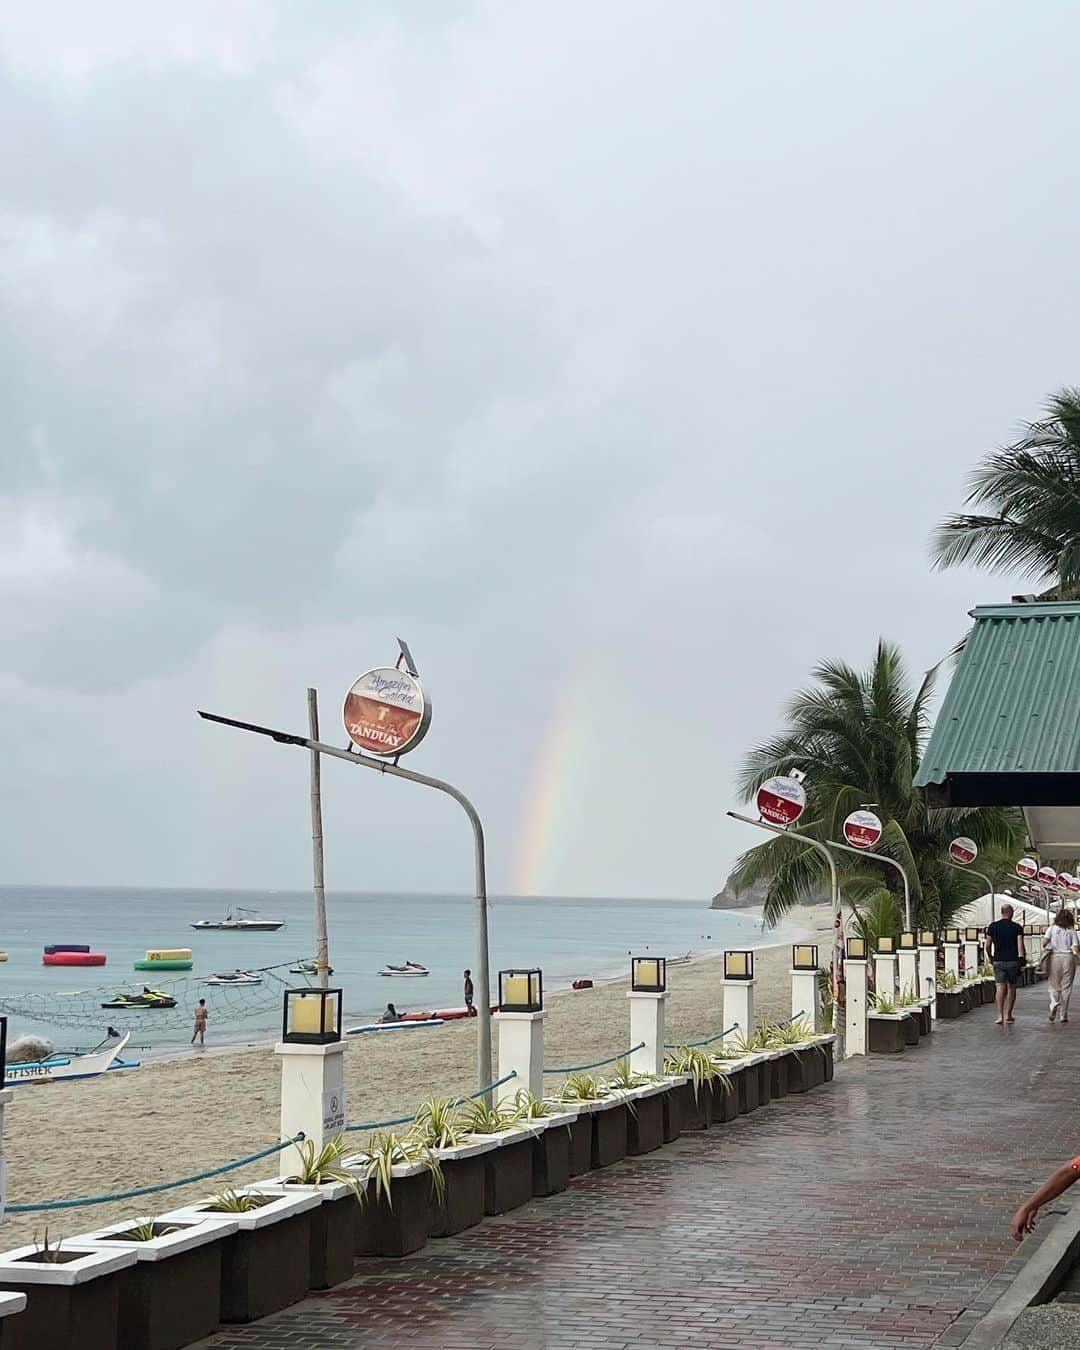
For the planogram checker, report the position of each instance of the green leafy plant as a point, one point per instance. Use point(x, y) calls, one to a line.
point(907, 998)
point(581, 1087)
point(529, 1107)
point(480, 1118)
point(625, 1079)
point(437, 1123)
point(985, 971)
point(786, 1034)
point(698, 1066)
point(49, 1254)
point(145, 1230)
point(947, 980)
point(318, 1168)
point(386, 1151)
point(885, 1003)
point(238, 1202)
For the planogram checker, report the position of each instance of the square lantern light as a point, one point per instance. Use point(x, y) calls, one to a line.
point(1029, 930)
point(856, 949)
point(311, 1017)
point(886, 946)
point(927, 937)
point(521, 991)
point(907, 942)
point(971, 935)
point(952, 935)
point(804, 957)
point(648, 974)
point(738, 965)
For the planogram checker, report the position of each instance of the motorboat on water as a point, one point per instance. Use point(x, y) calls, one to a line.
point(62, 1065)
point(240, 922)
point(410, 968)
point(235, 977)
point(149, 998)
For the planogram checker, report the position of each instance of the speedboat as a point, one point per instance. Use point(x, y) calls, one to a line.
point(236, 977)
point(149, 998)
point(409, 968)
point(240, 922)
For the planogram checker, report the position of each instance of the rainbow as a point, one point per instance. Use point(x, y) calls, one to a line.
point(550, 796)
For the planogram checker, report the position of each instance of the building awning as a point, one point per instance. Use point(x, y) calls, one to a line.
point(1008, 733)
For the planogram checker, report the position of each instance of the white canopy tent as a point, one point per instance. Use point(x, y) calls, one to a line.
point(986, 908)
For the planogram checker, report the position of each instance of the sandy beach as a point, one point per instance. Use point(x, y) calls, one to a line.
point(169, 1119)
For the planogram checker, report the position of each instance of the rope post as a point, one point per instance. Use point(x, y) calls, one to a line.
point(806, 997)
point(312, 1096)
point(648, 1013)
point(521, 1052)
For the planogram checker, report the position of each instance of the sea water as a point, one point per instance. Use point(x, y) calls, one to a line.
point(568, 939)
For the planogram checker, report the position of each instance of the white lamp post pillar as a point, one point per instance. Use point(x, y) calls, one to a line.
point(885, 973)
point(312, 1096)
point(908, 970)
point(648, 1016)
point(855, 1008)
point(972, 958)
point(521, 1052)
point(806, 998)
point(738, 984)
point(952, 958)
point(928, 975)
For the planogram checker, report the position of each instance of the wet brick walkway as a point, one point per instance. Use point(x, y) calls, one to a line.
point(871, 1213)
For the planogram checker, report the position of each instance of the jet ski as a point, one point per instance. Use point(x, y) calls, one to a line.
point(409, 968)
point(149, 998)
point(234, 977)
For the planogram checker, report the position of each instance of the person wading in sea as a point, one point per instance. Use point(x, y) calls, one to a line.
point(1005, 947)
point(469, 995)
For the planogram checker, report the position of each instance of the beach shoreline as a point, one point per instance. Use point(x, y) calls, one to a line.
point(188, 1112)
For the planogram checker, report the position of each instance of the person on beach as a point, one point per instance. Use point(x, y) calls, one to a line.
point(1060, 942)
point(469, 993)
point(1023, 1221)
point(201, 1018)
point(1005, 948)
point(391, 1014)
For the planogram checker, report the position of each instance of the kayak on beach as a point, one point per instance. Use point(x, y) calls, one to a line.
point(410, 1024)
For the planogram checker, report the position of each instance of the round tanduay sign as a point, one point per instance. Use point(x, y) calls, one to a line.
point(862, 829)
point(386, 712)
point(1073, 885)
point(1047, 876)
point(781, 801)
point(1027, 868)
point(963, 850)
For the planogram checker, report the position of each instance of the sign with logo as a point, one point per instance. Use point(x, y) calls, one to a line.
point(781, 801)
point(1027, 868)
point(1063, 880)
point(1074, 884)
point(862, 829)
point(386, 712)
point(333, 1111)
point(1047, 876)
point(963, 850)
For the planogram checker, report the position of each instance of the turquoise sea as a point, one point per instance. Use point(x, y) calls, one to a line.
point(567, 938)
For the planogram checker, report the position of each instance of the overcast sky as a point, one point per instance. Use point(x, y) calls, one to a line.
point(621, 356)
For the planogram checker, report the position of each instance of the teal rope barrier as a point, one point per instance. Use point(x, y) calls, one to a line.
point(576, 1068)
point(693, 1045)
point(405, 1120)
point(161, 1186)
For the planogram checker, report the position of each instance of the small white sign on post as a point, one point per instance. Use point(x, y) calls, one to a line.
point(333, 1112)
point(781, 801)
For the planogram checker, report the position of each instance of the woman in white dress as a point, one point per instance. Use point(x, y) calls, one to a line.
point(1061, 942)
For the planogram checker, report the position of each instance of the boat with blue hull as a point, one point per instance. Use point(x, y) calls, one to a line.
point(62, 1067)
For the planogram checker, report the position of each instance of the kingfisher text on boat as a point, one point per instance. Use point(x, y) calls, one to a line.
point(60, 1066)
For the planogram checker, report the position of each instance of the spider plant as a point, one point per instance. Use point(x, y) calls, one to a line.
point(884, 1003)
point(528, 1107)
point(235, 1202)
point(947, 980)
point(698, 1066)
point(317, 1168)
point(480, 1118)
point(985, 971)
point(386, 1151)
point(625, 1079)
point(145, 1230)
point(581, 1087)
point(908, 998)
point(49, 1255)
point(437, 1123)
point(786, 1034)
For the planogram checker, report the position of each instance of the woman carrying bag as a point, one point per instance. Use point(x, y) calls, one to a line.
point(1060, 945)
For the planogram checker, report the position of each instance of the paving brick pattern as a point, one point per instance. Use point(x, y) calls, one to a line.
point(870, 1213)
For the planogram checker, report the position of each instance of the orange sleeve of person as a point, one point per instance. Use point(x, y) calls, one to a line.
point(1075, 1164)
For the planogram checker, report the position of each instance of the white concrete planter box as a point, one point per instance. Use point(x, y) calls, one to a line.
point(171, 1297)
point(266, 1262)
point(333, 1227)
point(69, 1305)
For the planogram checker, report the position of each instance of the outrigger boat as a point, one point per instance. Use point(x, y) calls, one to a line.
point(60, 1066)
point(409, 968)
point(233, 924)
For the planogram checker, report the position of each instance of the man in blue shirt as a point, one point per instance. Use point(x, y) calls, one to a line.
point(1005, 948)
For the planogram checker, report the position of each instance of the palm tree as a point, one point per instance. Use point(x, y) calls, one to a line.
point(1032, 490)
point(858, 737)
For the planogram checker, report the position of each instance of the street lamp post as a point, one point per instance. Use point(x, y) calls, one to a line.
point(483, 1052)
point(881, 857)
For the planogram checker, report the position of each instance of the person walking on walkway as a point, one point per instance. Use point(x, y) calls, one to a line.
point(1060, 942)
point(1023, 1221)
point(1005, 948)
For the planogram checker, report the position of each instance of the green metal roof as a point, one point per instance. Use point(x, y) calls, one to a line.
point(1012, 714)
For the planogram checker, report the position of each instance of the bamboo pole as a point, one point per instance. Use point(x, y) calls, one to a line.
point(322, 942)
